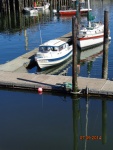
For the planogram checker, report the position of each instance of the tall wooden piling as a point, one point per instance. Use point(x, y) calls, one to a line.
point(74, 56)
point(105, 47)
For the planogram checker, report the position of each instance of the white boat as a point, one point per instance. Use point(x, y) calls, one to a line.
point(52, 53)
point(91, 35)
point(42, 8)
point(30, 11)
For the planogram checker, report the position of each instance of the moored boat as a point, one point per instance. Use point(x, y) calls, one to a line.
point(92, 34)
point(72, 12)
point(30, 10)
point(52, 53)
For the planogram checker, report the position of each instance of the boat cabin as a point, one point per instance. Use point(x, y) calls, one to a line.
point(53, 45)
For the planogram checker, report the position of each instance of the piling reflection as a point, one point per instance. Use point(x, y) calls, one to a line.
point(76, 117)
point(26, 39)
point(86, 136)
point(13, 23)
point(104, 121)
point(86, 127)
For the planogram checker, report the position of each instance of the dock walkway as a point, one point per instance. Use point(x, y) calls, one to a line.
point(54, 83)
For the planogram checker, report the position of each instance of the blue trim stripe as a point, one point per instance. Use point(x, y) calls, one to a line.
point(56, 59)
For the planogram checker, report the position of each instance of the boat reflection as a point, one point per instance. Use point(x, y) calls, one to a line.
point(44, 12)
point(83, 56)
point(91, 54)
point(62, 68)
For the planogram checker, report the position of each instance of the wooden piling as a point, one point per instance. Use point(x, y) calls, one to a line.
point(74, 56)
point(58, 7)
point(105, 47)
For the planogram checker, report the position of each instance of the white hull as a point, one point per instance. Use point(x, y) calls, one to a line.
point(53, 61)
point(89, 42)
point(52, 53)
point(91, 35)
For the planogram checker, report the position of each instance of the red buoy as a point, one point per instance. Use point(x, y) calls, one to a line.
point(40, 90)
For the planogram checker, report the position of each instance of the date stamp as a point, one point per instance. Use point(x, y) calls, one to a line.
point(94, 137)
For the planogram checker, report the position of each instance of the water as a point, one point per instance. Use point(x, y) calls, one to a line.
point(47, 121)
point(32, 121)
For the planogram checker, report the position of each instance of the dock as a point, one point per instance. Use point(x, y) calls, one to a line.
point(55, 83)
point(14, 75)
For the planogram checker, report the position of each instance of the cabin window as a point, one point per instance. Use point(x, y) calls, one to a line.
point(50, 48)
point(55, 49)
point(84, 32)
point(44, 49)
point(62, 47)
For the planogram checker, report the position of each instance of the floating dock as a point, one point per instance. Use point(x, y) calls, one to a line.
point(55, 83)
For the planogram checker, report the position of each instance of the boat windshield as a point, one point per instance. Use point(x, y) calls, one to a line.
point(48, 48)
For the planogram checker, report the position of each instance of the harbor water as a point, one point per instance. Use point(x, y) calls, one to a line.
point(31, 121)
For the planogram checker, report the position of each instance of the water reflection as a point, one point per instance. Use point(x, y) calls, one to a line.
point(76, 117)
point(83, 137)
point(13, 23)
point(26, 39)
point(32, 120)
point(104, 121)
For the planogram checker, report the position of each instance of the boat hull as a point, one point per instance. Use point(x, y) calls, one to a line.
point(72, 12)
point(84, 43)
point(44, 63)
